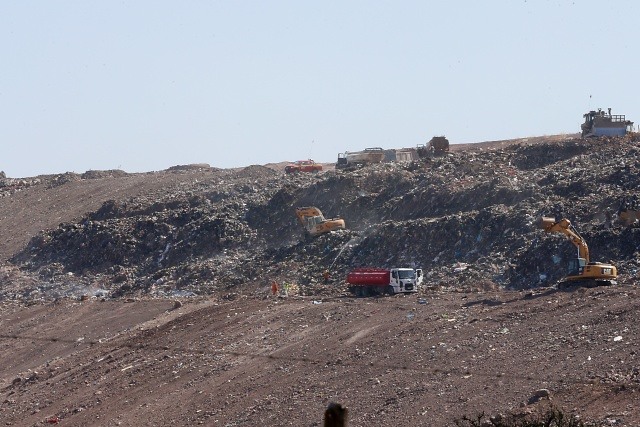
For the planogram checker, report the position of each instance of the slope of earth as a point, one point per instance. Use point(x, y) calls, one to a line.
point(93, 264)
point(403, 361)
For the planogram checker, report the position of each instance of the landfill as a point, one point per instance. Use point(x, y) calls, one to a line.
point(467, 218)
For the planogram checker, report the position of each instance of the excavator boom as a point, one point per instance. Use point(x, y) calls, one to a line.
point(564, 226)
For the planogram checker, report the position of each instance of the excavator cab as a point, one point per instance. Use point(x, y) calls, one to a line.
point(576, 266)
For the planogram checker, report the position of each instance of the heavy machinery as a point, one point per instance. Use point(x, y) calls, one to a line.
point(314, 223)
point(582, 272)
point(599, 123)
point(437, 146)
point(354, 159)
point(379, 281)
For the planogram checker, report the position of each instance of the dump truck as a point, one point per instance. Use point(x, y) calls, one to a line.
point(582, 272)
point(370, 281)
point(354, 159)
point(599, 123)
point(437, 146)
point(314, 223)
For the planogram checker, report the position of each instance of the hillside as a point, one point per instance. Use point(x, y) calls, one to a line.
point(93, 264)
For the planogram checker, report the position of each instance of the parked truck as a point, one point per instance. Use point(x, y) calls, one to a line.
point(379, 281)
point(437, 146)
point(303, 166)
point(354, 159)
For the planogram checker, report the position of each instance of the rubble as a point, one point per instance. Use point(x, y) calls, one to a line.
point(466, 218)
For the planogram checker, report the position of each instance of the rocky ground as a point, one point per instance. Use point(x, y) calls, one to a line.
point(143, 299)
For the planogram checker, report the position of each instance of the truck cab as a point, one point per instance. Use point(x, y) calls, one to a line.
point(405, 279)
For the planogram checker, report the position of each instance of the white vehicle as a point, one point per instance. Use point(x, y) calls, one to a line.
point(351, 159)
point(377, 281)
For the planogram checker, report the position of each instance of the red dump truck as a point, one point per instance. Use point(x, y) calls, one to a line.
point(378, 281)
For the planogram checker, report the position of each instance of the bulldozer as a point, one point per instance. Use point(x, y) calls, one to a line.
point(314, 223)
point(582, 272)
point(599, 123)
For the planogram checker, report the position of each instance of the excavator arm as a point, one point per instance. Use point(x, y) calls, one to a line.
point(564, 226)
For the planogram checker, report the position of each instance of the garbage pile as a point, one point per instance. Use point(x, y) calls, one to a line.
point(9, 186)
point(467, 218)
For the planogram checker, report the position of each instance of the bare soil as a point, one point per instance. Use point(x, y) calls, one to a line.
point(279, 361)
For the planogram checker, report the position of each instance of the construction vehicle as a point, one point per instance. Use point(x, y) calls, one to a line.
point(582, 272)
point(599, 123)
point(303, 166)
point(437, 146)
point(354, 159)
point(405, 155)
point(315, 223)
point(379, 281)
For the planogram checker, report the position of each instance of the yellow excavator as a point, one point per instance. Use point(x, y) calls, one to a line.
point(315, 223)
point(582, 271)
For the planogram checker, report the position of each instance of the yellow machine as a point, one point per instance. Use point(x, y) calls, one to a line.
point(315, 223)
point(582, 272)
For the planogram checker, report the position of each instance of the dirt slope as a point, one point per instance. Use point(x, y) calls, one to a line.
point(264, 361)
point(93, 264)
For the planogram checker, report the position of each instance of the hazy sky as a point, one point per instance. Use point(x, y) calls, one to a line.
point(145, 85)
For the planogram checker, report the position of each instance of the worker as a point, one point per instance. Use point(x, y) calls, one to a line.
point(325, 276)
point(274, 288)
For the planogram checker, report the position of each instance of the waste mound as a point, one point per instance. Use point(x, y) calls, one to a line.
point(467, 218)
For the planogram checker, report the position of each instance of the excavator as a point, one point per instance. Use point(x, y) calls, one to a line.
point(314, 223)
point(582, 271)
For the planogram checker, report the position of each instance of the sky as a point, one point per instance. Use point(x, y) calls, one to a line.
point(145, 85)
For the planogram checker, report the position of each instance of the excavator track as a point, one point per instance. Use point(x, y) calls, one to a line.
point(584, 283)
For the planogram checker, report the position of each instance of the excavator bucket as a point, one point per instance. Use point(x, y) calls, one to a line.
point(546, 222)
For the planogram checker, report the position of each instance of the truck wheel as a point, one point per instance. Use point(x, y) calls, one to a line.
point(389, 290)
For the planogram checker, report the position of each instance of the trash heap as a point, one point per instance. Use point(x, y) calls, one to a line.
point(467, 218)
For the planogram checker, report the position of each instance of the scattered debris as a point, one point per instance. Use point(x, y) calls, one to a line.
point(234, 227)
